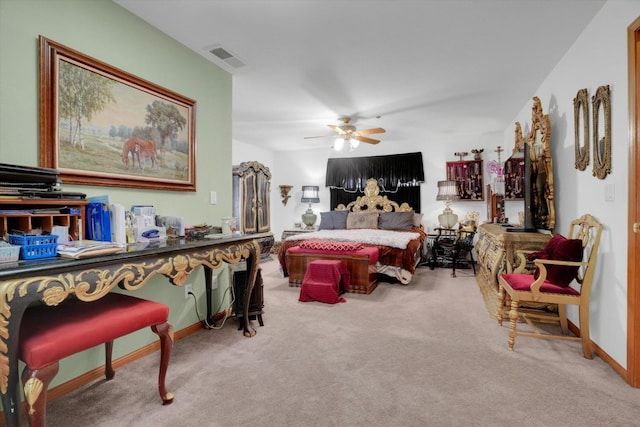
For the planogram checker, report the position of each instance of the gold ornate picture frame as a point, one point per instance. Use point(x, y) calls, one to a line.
point(601, 143)
point(581, 128)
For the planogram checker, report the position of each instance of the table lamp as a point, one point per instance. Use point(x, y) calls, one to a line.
point(310, 195)
point(447, 191)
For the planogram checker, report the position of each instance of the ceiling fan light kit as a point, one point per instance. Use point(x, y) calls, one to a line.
point(347, 133)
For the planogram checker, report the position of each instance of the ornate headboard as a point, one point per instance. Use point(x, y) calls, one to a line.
point(372, 201)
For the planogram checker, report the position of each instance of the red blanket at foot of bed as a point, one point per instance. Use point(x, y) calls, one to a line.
point(322, 281)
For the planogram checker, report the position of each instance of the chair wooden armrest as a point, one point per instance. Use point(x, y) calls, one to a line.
point(521, 261)
point(540, 263)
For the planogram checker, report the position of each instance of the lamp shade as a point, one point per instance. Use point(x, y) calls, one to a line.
point(447, 190)
point(310, 194)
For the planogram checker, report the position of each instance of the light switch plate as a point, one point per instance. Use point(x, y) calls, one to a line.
point(213, 197)
point(609, 192)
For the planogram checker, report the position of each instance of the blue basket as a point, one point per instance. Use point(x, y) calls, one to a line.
point(32, 247)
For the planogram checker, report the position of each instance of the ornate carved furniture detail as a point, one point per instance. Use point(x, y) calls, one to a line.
point(496, 251)
point(284, 193)
point(372, 201)
point(541, 168)
point(539, 179)
point(523, 287)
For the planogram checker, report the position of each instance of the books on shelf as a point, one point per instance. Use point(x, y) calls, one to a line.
point(87, 248)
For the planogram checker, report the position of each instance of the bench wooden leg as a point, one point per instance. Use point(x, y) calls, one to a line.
point(109, 372)
point(165, 332)
point(35, 384)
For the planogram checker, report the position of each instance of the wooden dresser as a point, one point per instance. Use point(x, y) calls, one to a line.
point(496, 251)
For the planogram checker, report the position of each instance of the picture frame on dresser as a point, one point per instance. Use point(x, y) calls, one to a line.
point(123, 131)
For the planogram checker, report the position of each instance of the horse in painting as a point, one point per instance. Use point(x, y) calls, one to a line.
point(147, 150)
point(130, 147)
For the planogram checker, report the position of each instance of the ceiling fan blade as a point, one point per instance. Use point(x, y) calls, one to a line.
point(321, 136)
point(338, 129)
point(370, 131)
point(367, 140)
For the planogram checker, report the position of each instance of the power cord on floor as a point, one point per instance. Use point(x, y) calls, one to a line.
point(226, 312)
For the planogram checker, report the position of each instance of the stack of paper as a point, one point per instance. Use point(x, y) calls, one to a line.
point(87, 248)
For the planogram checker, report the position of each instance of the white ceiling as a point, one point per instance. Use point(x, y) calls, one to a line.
point(431, 69)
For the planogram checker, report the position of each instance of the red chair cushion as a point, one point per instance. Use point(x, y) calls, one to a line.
point(48, 334)
point(561, 249)
point(522, 282)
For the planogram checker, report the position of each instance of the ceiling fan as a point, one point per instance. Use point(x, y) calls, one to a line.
point(348, 133)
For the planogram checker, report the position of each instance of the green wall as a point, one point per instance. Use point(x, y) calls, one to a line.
point(105, 31)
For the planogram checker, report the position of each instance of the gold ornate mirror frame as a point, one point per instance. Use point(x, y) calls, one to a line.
point(601, 145)
point(541, 179)
point(581, 117)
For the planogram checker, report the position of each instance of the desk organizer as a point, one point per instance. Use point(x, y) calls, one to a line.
point(9, 253)
point(32, 247)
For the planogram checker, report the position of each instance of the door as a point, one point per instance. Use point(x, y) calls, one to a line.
point(633, 269)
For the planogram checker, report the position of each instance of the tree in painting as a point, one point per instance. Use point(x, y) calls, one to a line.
point(166, 119)
point(82, 94)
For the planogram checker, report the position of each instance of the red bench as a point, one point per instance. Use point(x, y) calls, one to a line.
point(48, 334)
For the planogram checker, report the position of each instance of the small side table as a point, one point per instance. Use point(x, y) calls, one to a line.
point(288, 233)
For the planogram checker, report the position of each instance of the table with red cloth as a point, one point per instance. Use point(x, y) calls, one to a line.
point(322, 281)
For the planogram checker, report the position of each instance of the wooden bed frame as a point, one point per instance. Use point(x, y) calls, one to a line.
point(364, 277)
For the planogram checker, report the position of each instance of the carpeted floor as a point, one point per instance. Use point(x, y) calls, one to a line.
point(426, 354)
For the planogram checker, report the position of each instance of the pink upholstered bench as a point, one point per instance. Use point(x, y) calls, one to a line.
point(48, 334)
point(322, 281)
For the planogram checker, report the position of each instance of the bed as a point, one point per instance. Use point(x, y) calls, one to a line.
point(391, 229)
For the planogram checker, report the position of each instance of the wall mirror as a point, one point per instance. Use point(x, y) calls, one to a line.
point(541, 176)
point(601, 133)
point(581, 127)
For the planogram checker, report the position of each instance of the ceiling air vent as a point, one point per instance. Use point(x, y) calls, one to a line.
point(227, 57)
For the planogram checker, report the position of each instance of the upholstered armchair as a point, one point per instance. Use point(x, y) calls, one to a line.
point(563, 275)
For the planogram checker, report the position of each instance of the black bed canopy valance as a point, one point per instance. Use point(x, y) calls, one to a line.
point(393, 171)
point(398, 175)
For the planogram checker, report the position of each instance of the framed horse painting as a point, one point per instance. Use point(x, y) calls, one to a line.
point(100, 125)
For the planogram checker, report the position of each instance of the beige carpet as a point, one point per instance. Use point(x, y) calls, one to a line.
point(426, 354)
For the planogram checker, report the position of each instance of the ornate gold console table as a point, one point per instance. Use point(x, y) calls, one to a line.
point(496, 250)
point(53, 280)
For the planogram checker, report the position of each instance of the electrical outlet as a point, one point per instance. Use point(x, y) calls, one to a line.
point(214, 283)
point(187, 289)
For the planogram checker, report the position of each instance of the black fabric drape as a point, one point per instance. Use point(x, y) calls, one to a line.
point(391, 171)
point(398, 175)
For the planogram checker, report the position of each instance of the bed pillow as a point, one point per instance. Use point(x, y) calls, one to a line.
point(396, 221)
point(562, 249)
point(333, 220)
point(362, 220)
point(330, 245)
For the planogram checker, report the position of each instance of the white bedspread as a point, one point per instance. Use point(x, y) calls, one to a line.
point(394, 239)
